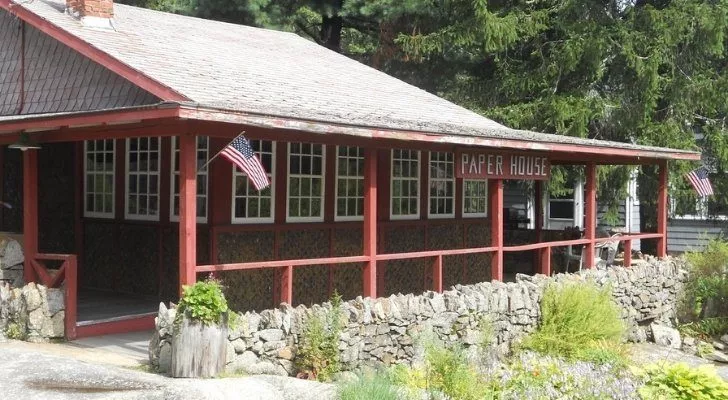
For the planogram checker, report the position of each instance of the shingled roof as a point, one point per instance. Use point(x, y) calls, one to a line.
point(216, 65)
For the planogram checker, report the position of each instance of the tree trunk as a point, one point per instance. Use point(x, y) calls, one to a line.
point(199, 351)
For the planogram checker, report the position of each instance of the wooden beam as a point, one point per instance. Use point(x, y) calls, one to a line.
point(437, 274)
point(495, 190)
point(545, 260)
point(369, 272)
point(590, 218)
point(662, 210)
point(285, 278)
point(187, 210)
point(30, 211)
point(538, 220)
point(627, 253)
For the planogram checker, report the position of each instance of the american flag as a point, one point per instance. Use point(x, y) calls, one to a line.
point(699, 179)
point(242, 155)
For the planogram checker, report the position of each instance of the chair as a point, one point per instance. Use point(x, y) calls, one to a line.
point(610, 246)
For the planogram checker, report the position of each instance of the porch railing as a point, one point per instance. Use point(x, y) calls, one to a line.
point(67, 273)
point(285, 267)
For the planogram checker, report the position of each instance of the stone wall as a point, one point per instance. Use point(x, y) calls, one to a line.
point(385, 330)
point(33, 313)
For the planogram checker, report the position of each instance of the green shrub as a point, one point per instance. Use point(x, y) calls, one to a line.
point(317, 355)
point(369, 387)
point(447, 372)
point(203, 302)
point(708, 278)
point(706, 328)
point(578, 321)
point(14, 331)
point(680, 382)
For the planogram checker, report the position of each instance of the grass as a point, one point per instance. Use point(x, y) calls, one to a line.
point(369, 387)
point(579, 322)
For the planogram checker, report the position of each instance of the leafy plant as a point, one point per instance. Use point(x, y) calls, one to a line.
point(317, 355)
point(446, 372)
point(704, 349)
point(13, 331)
point(708, 279)
point(578, 321)
point(203, 302)
point(369, 387)
point(680, 382)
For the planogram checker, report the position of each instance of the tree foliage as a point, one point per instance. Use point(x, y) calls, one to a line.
point(651, 72)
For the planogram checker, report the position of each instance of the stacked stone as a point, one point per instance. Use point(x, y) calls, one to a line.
point(32, 313)
point(11, 262)
point(387, 330)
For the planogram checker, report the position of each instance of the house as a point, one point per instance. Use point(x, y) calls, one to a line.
point(377, 187)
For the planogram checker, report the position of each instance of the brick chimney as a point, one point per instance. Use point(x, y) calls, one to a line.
point(93, 13)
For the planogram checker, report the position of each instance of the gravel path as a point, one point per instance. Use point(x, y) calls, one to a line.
point(29, 373)
point(647, 353)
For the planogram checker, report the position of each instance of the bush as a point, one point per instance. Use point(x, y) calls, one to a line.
point(680, 382)
point(203, 302)
point(578, 321)
point(708, 280)
point(317, 356)
point(370, 387)
point(446, 372)
point(705, 329)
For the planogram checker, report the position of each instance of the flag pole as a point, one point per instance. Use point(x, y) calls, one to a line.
point(218, 153)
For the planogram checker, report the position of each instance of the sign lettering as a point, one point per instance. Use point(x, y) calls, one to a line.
point(478, 165)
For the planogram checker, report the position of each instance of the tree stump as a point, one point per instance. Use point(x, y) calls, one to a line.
point(199, 351)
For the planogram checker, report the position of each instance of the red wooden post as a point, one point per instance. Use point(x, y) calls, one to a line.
point(496, 227)
point(662, 211)
point(187, 210)
point(30, 211)
point(590, 218)
point(437, 274)
point(545, 255)
point(627, 253)
point(71, 296)
point(370, 222)
point(285, 283)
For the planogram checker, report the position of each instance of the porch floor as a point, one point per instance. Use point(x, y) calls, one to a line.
point(96, 305)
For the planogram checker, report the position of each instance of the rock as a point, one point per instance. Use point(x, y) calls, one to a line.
point(55, 301)
point(165, 357)
point(32, 297)
point(239, 346)
point(717, 356)
point(36, 319)
point(665, 336)
point(265, 368)
point(11, 253)
point(724, 339)
point(271, 335)
point(242, 362)
point(637, 335)
point(719, 345)
point(286, 353)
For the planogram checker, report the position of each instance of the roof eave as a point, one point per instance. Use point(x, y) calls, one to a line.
point(195, 112)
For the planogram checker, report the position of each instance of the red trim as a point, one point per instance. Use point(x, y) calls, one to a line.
point(83, 120)
point(286, 284)
point(437, 274)
point(544, 256)
point(130, 324)
point(71, 297)
point(133, 75)
point(627, 253)
point(187, 210)
point(538, 226)
point(495, 191)
point(449, 141)
point(79, 199)
point(30, 210)
point(590, 217)
point(369, 273)
point(662, 211)
point(119, 179)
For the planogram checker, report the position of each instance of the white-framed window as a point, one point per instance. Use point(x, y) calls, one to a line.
point(441, 185)
point(349, 183)
point(475, 198)
point(305, 200)
point(251, 206)
point(142, 178)
point(98, 167)
point(561, 207)
point(203, 151)
point(405, 182)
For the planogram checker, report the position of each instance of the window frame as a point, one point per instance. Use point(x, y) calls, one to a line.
point(430, 214)
point(405, 217)
point(343, 218)
point(321, 218)
point(271, 175)
point(96, 214)
point(173, 173)
point(139, 217)
point(475, 215)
